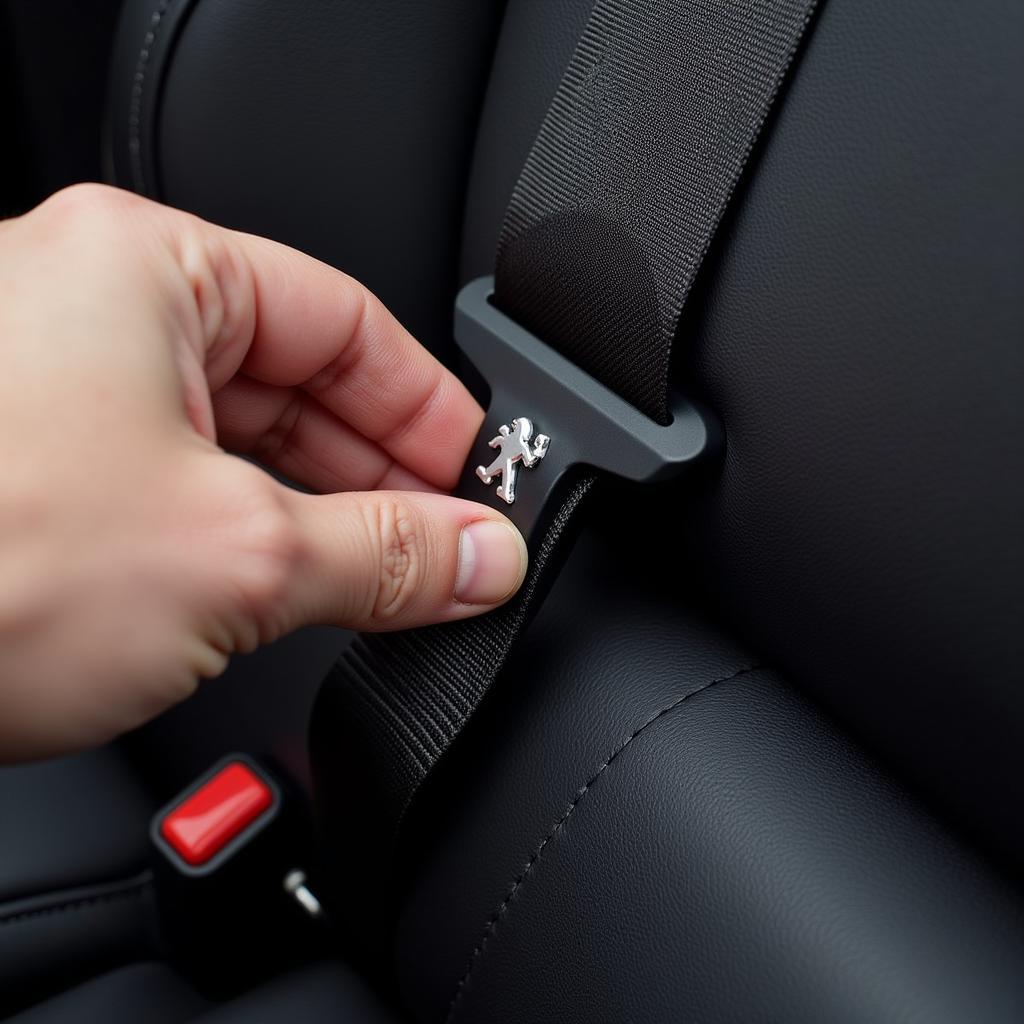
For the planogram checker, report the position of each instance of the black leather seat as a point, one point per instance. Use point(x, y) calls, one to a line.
point(317, 994)
point(775, 771)
point(74, 898)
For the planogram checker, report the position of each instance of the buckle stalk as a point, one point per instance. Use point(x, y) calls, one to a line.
point(546, 416)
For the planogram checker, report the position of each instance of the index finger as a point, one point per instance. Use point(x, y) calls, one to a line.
point(319, 329)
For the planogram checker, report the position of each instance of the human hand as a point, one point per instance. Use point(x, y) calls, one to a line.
point(135, 554)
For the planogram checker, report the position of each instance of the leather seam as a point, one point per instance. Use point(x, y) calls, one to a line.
point(133, 887)
point(138, 84)
point(492, 922)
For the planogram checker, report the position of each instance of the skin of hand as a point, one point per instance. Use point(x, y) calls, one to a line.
point(136, 555)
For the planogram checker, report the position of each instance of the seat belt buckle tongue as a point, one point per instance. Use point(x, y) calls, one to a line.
point(547, 416)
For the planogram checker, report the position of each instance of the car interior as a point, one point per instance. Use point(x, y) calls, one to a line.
point(754, 751)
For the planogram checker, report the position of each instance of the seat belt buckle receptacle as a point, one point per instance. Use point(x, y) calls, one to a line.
point(547, 416)
point(227, 855)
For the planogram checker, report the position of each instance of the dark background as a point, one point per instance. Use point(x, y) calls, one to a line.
point(53, 81)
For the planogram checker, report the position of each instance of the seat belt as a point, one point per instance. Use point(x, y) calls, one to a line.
point(612, 216)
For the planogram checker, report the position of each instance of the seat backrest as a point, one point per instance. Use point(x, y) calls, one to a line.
point(861, 332)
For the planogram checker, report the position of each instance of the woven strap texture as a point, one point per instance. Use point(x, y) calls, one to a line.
point(616, 206)
point(630, 174)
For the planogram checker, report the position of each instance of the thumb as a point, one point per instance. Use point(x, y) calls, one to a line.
point(393, 559)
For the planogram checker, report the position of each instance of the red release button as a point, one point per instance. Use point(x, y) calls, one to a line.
point(214, 814)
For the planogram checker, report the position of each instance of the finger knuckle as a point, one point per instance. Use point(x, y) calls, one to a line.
point(176, 687)
point(400, 534)
point(236, 291)
point(267, 552)
point(87, 199)
point(279, 439)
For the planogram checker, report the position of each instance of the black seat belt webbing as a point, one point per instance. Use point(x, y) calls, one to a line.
point(630, 174)
point(616, 206)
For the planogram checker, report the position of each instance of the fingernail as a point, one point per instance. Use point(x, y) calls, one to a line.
point(492, 562)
